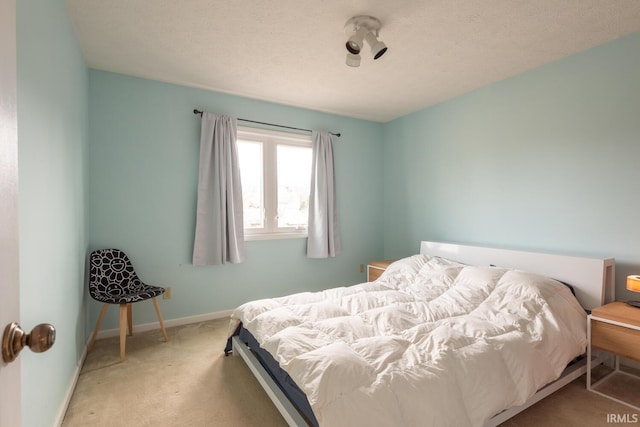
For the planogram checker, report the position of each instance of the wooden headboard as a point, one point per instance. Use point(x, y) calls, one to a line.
point(593, 279)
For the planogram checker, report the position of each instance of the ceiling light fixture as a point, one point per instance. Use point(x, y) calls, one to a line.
point(378, 48)
point(353, 60)
point(360, 29)
point(354, 44)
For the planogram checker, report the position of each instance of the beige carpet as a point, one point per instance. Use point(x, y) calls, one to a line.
point(189, 382)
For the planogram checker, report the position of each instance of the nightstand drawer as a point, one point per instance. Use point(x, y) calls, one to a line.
point(619, 340)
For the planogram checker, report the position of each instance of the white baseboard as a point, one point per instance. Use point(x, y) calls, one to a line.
point(630, 363)
point(143, 327)
point(72, 386)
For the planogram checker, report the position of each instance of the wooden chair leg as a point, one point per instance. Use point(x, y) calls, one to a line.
point(123, 327)
point(130, 318)
point(164, 332)
point(98, 323)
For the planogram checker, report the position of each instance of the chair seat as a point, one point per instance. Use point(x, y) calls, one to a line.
point(115, 296)
point(114, 280)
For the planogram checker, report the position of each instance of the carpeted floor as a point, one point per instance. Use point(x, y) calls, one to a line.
point(189, 382)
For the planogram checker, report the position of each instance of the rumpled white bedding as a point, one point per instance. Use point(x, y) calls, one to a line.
point(430, 343)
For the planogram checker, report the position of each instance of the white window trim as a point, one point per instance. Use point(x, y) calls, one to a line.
point(270, 140)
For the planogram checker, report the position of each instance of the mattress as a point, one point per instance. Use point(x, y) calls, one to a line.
point(431, 342)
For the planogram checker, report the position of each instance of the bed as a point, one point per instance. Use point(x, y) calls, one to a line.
point(455, 335)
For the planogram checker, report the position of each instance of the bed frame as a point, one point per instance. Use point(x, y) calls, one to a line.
point(593, 280)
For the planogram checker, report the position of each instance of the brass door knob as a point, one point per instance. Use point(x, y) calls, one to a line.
point(40, 339)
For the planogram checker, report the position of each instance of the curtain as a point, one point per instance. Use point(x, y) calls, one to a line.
point(324, 236)
point(219, 236)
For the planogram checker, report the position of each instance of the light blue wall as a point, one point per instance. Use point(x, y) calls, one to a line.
point(52, 149)
point(546, 160)
point(143, 180)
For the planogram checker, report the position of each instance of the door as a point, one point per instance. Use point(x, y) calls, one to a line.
point(10, 390)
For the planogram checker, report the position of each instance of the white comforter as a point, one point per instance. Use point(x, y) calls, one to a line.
point(431, 342)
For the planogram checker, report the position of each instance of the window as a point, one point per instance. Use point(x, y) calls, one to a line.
point(275, 169)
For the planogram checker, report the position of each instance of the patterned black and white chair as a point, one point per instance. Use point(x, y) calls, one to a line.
point(112, 280)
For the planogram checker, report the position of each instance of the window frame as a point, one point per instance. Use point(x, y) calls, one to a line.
point(270, 140)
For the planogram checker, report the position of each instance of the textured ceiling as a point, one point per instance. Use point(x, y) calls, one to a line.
point(292, 52)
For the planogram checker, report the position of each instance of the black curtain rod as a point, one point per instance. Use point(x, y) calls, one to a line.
point(198, 112)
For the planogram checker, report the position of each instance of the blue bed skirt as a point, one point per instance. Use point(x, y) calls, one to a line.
point(284, 381)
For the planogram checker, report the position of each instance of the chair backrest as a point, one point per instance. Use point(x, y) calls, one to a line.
point(111, 273)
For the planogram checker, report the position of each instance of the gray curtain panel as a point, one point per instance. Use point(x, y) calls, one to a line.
point(219, 236)
point(324, 236)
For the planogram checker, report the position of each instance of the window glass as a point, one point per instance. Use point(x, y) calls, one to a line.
point(294, 176)
point(275, 169)
point(250, 156)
